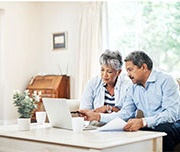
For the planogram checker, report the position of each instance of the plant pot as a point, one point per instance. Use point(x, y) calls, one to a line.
point(23, 123)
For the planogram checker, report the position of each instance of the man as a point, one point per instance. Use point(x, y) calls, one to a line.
point(155, 93)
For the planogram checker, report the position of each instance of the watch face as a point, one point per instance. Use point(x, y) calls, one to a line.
point(108, 109)
point(144, 122)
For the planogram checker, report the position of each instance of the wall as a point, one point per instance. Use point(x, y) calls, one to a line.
point(26, 31)
point(59, 17)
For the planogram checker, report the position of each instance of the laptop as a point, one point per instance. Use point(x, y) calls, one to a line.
point(59, 115)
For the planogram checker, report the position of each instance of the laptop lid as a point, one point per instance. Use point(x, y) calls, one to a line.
point(58, 112)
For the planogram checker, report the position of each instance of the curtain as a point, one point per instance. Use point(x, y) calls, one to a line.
point(1, 69)
point(90, 44)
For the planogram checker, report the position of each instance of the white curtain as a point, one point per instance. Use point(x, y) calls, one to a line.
point(90, 44)
point(1, 69)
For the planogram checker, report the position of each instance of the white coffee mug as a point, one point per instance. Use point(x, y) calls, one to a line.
point(40, 117)
point(77, 124)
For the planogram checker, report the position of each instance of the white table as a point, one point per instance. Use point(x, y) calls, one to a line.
point(46, 139)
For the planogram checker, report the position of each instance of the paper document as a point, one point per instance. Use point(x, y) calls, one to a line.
point(115, 124)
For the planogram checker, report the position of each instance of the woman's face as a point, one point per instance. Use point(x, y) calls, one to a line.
point(109, 75)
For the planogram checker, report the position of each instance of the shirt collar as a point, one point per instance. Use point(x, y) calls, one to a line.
point(152, 76)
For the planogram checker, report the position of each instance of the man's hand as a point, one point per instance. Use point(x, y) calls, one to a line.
point(133, 125)
point(89, 115)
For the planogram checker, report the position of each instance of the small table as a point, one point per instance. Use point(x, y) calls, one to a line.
point(44, 138)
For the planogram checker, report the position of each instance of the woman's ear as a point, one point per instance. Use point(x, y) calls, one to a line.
point(119, 71)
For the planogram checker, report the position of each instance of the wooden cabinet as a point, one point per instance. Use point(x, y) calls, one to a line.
point(51, 86)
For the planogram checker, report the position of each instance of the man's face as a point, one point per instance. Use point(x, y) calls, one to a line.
point(135, 73)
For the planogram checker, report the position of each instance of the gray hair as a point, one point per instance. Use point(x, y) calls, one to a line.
point(138, 58)
point(111, 58)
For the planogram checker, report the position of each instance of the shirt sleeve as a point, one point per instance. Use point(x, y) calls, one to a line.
point(170, 104)
point(127, 111)
point(87, 97)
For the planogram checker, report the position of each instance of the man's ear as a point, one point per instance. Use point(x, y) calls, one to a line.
point(144, 66)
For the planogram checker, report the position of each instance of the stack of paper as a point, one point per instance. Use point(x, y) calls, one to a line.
point(115, 124)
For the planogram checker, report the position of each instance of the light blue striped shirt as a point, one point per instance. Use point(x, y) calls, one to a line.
point(94, 93)
point(159, 101)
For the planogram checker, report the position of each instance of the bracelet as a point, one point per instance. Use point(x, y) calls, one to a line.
point(144, 122)
point(108, 109)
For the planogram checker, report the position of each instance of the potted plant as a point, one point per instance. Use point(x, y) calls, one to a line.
point(25, 105)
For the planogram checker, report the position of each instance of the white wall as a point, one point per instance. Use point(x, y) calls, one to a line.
point(59, 17)
point(27, 29)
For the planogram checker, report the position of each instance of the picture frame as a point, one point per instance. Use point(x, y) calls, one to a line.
point(59, 40)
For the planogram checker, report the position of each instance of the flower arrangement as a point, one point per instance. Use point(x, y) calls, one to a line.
point(25, 103)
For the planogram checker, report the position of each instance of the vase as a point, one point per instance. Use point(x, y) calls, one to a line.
point(23, 124)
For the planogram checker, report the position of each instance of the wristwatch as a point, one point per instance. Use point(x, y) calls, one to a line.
point(108, 109)
point(144, 122)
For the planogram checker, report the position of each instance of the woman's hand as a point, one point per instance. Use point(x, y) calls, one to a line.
point(102, 109)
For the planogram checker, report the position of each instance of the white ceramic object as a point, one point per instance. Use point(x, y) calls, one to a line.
point(23, 124)
point(40, 117)
point(77, 124)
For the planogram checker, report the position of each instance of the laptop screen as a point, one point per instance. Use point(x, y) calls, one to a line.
point(58, 112)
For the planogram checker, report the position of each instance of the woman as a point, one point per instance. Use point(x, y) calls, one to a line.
point(105, 93)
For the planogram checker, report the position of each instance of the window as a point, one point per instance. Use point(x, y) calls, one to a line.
point(152, 26)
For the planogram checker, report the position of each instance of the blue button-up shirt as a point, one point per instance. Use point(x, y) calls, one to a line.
point(94, 93)
point(159, 101)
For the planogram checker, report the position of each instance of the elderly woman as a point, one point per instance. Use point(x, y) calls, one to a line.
point(105, 93)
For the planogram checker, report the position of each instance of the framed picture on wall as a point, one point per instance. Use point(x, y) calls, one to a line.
point(60, 40)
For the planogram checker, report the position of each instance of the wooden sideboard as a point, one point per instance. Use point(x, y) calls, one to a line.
point(51, 86)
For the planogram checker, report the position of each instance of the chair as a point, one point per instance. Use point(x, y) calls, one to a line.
point(73, 104)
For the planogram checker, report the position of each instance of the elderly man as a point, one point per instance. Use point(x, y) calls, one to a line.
point(155, 93)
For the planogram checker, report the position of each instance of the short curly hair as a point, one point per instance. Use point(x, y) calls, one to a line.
point(111, 58)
